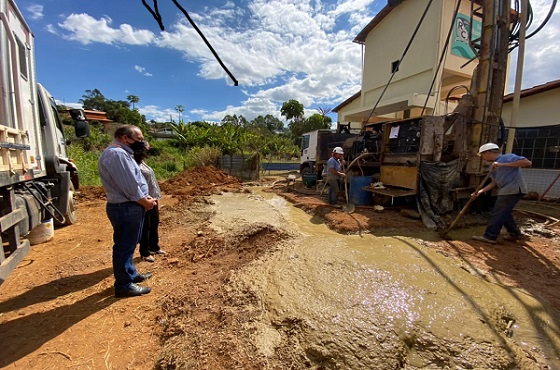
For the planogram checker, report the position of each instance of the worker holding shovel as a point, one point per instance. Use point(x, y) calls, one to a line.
point(334, 175)
point(506, 176)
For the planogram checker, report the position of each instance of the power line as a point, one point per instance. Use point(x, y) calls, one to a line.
point(155, 13)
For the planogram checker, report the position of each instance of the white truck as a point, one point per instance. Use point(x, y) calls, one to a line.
point(316, 149)
point(37, 180)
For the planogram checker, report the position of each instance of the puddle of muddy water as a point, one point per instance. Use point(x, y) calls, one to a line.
point(367, 302)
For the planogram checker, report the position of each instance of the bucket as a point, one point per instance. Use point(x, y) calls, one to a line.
point(310, 179)
point(357, 195)
point(42, 233)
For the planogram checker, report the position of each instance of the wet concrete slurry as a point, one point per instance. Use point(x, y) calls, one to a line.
point(369, 302)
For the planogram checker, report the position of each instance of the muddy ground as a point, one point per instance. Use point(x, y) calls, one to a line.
point(213, 306)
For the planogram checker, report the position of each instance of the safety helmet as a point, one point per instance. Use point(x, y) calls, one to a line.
point(487, 147)
point(338, 150)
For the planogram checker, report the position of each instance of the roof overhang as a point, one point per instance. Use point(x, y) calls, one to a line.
point(399, 104)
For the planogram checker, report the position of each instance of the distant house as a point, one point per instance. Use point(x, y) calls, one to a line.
point(164, 133)
point(95, 115)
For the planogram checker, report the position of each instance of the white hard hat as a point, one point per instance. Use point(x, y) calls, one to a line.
point(338, 150)
point(487, 147)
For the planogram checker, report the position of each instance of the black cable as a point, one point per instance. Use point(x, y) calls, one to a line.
point(443, 53)
point(545, 21)
point(402, 57)
point(155, 13)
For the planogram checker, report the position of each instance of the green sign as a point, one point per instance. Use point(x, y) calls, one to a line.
point(460, 43)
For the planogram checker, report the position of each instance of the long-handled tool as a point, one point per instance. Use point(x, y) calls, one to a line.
point(471, 199)
point(348, 207)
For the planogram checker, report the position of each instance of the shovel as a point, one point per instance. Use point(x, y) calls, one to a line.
point(444, 233)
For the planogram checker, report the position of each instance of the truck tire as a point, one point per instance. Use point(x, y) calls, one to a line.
point(72, 216)
point(305, 170)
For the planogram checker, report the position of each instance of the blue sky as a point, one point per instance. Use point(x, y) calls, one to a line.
point(277, 49)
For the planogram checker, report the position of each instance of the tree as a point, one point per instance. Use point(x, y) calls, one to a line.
point(315, 122)
point(93, 100)
point(323, 111)
point(267, 125)
point(292, 110)
point(133, 99)
point(235, 121)
point(179, 108)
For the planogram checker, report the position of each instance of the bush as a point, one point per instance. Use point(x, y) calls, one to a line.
point(87, 164)
point(200, 157)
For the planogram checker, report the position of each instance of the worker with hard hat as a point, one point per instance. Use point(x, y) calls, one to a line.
point(335, 175)
point(506, 176)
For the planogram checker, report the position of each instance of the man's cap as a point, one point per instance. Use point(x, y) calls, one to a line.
point(487, 147)
point(338, 150)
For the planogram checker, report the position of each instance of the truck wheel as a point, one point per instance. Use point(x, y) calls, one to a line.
point(305, 170)
point(72, 215)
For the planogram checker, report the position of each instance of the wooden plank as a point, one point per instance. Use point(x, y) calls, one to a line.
point(401, 176)
point(392, 192)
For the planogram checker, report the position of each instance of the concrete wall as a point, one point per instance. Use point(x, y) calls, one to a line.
point(386, 44)
point(536, 110)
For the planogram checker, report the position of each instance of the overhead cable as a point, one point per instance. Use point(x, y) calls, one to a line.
point(155, 13)
point(401, 58)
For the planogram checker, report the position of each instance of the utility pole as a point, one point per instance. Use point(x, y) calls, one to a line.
point(488, 83)
point(518, 76)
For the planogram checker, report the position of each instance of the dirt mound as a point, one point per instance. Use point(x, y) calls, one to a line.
point(90, 193)
point(200, 181)
point(187, 184)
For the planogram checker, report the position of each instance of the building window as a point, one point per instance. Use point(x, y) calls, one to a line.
point(395, 66)
point(541, 145)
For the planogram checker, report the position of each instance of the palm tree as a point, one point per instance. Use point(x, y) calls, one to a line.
point(324, 111)
point(133, 99)
point(179, 108)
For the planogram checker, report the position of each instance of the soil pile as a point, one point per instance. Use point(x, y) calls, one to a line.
point(200, 181)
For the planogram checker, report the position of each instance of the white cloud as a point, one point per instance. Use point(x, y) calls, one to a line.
point(158, 114)
point(51, 29)
point(85, 29)
point(142, 70)
point(542, 51)
point(35, 11)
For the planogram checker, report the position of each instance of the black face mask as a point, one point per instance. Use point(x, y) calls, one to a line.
point(137, 146)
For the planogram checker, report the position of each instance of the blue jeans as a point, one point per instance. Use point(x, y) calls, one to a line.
point(502, 215)
point(127, 219)
point(333, 191)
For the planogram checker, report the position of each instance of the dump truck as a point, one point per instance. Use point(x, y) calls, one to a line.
point(37, 179)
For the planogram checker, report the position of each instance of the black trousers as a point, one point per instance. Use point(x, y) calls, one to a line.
point(149, 240)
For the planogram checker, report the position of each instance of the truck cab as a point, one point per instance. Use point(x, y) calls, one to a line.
point(316, 148)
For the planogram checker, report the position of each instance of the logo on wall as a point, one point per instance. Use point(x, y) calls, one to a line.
point(460, 45)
